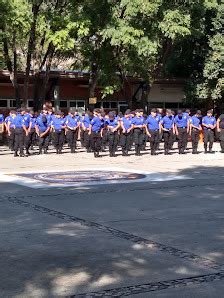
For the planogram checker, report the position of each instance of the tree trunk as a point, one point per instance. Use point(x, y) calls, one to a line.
point(92, 82)
point(38, 83)
point(31, 46)
point(12, 68)
point(125, 83)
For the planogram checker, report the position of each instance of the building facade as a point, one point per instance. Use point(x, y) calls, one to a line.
point(71, 90)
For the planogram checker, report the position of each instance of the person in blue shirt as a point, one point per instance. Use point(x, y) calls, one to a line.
point(95, 131)
point(42, 131)
point(85, 125)
point(20, 129)
point(126, 133)
point(58, 128)
point(10, 128)
point(167, 125)
point(72, 125)
point(105, 135)
point(159, 116)
point(112, 125)
point(208, 124)
point(153, 130)
point(182, 129)
point(26, 120)
point(195, 128)
point(2, 126)
point(31, 132)
point(81, 132)
point(138, 126)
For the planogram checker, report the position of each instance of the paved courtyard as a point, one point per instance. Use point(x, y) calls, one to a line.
point(149, 226)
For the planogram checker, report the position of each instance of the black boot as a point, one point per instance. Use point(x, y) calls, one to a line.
point(21, 154)
point(210, 148)
point(16, 154)
point(96, 154)
point(40, 151)
point(27, 152)
point(139, 148)
point(45, 151)
point(153, 152)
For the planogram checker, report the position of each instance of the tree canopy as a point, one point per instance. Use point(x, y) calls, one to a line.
point(113, 40)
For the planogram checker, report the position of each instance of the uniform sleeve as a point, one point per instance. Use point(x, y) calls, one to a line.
point(203, 120)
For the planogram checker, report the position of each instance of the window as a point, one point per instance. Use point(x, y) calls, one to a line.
point(97, 105)
point(113, 105)
point(106, 105)
point(3, 103)
point(80, 104)
point(73, 104)
point(63, 104)
point(30, 103)
point(156, 105)
point(171, 105)
point(12, 103)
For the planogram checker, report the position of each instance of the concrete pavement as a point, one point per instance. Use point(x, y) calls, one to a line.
point(138, 239)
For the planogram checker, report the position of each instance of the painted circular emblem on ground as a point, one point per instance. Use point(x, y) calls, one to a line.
point(85, 176)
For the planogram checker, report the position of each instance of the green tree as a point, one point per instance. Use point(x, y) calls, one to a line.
point(207, 77)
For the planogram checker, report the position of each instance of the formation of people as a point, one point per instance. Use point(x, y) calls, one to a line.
point(97, 131)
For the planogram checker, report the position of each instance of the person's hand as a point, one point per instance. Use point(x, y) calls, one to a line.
point(123, 130)
point(218, 129)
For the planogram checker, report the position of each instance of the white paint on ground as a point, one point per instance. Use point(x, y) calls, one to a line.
point(35, 183)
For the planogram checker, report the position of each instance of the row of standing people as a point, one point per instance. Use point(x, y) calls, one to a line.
point(97, 130)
